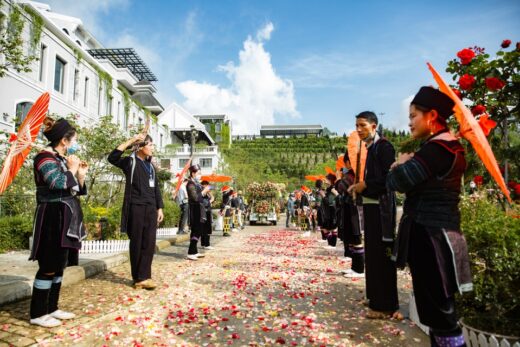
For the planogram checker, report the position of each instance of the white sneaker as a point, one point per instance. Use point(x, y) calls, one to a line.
point(62, 315)
point(200, 255)
point(192, 257)
point(209, 247)
point(355, 274)
point(46, 321)
point(347, 271)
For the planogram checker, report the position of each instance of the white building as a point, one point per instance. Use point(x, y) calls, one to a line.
point(182, 125)
point(82, 77)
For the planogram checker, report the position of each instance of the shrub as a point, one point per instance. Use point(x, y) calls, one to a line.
point(171, 212)
point(15, 232)
point(493, 239)
point(103, 222)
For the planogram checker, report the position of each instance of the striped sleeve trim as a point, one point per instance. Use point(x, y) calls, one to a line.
point(406, 176)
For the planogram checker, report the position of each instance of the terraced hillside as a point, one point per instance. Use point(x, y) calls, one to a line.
point(285, 160)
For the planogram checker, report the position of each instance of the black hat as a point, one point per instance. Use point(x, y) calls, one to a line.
point(58, 130)
point(194, 168)
point(432, 98)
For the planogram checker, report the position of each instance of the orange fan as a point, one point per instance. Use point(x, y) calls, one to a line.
point(216, 178)
point(472, 131)
point(181, 176)
point(21, 143)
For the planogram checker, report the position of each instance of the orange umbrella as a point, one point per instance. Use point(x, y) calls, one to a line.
point(181, 176)
point(314, 178)
point(340, 164)
point(22, 142)
point(216, 178)
point(329, 170)
point(357, 154)
point(471, 131)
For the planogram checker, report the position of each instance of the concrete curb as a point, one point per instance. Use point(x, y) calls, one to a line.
point(20, 289)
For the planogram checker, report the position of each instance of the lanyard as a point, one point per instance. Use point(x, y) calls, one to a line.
point(148, 168)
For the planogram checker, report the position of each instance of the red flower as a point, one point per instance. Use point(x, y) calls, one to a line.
point(506, 43)
point(466, 56)
point(478, 180)
point(517, 189)
point(13, 138)
point(478, 109)
point(512, 184)
point(486, 124)
point(494, 83)
point(457, 92)
point(466, 82)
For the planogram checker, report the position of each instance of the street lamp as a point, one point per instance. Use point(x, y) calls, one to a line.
point(194, 133)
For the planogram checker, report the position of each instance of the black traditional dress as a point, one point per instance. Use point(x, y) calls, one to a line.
point(429, 236)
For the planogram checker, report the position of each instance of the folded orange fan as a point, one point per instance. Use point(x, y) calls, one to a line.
point(357, 154)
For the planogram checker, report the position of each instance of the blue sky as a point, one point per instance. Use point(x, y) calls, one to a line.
point(288, 61)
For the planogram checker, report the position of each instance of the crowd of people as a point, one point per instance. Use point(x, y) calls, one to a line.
point(359, 212)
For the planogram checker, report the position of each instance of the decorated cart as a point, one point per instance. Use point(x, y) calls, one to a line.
point(263, 198)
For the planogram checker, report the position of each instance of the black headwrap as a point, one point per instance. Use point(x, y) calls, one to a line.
point(58, 130)
point(432, 98)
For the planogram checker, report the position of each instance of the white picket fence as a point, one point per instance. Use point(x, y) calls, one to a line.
point(477, 338)
point(166, 232)
point(105, 246)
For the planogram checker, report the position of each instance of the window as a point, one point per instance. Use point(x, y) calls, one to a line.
point(59, 75)
point(43, 54)
point(100, 90)
point(182, 162)
point(75, 90)
point(218, 127)
point(160, 140)
point(205, 162)
point(85, 94)
point(109, 106)
point(22, 109)
point(208, 127)
point(218, 138)
point(140, 121)
point(118, 111)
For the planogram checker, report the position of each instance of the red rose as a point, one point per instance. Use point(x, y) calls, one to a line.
point(478, 180)
point(466, 82)
point(494, 83)
point(457, 92)
point(506, 43)
point(466, 56)
point(478, 109)
point(486, 124)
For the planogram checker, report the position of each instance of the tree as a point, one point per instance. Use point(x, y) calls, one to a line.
point(11, 38)
point(489, 86)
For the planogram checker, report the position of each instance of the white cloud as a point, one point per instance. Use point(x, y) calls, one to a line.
point(256, 93)
point(400, 121)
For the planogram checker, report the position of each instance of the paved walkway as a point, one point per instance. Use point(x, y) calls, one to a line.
point(259, 287)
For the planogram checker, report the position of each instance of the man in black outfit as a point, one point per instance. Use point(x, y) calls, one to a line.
point(142, 205)
point(379, 212)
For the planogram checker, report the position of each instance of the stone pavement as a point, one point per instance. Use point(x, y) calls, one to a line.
point(17, 273)
point(262, 286)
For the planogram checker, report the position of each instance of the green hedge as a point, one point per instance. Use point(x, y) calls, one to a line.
point(493, 239)
point(171, 214)
point(15, 232)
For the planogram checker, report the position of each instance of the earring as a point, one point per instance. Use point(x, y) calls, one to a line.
point(430, 127)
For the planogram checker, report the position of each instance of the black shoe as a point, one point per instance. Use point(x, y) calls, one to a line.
point(226, 234)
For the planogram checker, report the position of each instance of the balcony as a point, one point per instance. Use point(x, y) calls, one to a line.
point(185, 150)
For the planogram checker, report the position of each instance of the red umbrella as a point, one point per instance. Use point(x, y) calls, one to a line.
point(314, 178)
point(472, 131)
point(181, 176)
point(22, 142)
point(217, 178)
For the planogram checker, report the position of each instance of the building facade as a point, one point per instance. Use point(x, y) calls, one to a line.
point(218, 126)
point(82, 77)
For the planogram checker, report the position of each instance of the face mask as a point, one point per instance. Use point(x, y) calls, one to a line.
point(73, 148)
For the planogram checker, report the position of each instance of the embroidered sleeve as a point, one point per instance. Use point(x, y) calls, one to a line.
point(53, 175)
